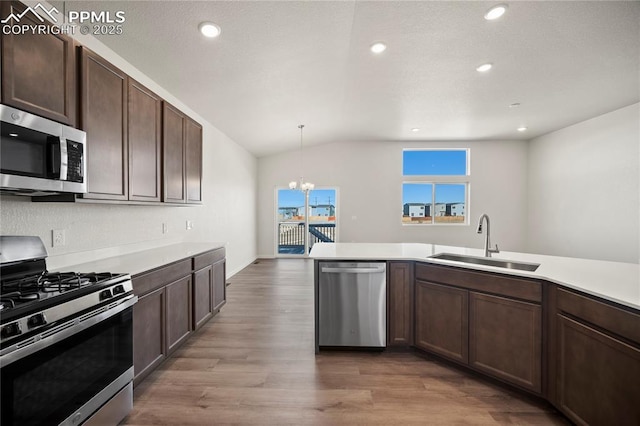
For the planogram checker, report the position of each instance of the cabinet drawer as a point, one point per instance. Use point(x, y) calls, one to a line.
point(147, 282)
point(623, 323)
point(482, 281)
point(209, 258)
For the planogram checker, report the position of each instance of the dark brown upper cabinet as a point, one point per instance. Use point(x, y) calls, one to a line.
point(173, 147)
point(182, 154)
point(144, 128)
point(38, 70)
point(104, 118)
point(193, 155)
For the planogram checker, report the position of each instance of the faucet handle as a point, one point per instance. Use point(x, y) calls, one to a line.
point(497, 250)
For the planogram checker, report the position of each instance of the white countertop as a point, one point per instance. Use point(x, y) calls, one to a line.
point(146, 260)
point(614, 281)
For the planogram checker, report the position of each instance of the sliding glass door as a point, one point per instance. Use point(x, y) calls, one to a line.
point(304, 219)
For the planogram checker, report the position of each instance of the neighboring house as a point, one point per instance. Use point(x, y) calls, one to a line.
point(457, 209)
point(442, 209)
point(285, 213)
point(415, 209)
point(449, 209)
point(322, 210)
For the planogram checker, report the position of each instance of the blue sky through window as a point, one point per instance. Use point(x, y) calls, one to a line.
point(434, 162)
point(295, 198)
point(421, 193)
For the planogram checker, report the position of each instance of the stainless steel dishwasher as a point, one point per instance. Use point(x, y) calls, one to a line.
point(352, 301)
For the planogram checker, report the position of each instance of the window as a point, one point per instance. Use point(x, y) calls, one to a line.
point(435, 186)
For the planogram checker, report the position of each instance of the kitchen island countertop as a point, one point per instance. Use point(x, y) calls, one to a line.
point(613, 281)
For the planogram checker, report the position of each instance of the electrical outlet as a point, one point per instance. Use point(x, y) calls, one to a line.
point(165, 228)
point(189, 224)
point(58, 237)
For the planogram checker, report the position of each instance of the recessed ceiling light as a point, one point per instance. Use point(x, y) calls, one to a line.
point(209, 29)
point(378, 47)
point(484, 67)
point(415, 130)
point(514, 105)
point(495, 12)
point(522, 129)
point(13, 135)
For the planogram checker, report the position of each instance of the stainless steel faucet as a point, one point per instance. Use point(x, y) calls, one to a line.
point(487, 238)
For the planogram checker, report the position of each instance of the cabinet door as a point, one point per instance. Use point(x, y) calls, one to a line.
point(203, 298)
point(400, 307)
point(442, 314)
point(173, 149)
point(505, 339)
point(149, 347)
point(193, 139)
point(144, 127)
point(598, 376)
point(178, 312)
point(219, 285)
point(38, 70)
point(104, 118)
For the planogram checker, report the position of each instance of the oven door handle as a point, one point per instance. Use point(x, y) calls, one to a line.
point(64, 330)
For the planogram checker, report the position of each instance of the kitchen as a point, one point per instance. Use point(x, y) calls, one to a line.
point(579, 104)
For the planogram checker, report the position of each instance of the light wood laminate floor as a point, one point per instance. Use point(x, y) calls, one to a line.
point(254, 363)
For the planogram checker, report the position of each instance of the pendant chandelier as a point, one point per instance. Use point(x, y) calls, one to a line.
point(302, 185)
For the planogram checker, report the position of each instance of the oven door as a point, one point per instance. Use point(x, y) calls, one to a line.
point(68, 380)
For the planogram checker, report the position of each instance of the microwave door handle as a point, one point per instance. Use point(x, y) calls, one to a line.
point(53, 157)
point(64, 159)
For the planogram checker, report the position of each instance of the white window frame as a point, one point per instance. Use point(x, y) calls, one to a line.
point(441, 179)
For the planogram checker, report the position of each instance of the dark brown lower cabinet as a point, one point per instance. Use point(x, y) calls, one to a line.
point(598, 376)
point(400, 304)
point(202, 296)
point(149, 348)
point(219, 286)
point(505, 339)
point(178, 312)
point(442, 320)
point(173, 301)
point(209, 288)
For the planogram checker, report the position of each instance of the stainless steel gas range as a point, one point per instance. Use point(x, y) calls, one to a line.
point(66, 341)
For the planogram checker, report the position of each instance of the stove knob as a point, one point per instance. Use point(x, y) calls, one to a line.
point(10, 330)
point(36, 320)
point(119, 289)
point(105, 294)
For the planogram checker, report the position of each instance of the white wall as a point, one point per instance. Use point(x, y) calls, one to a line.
point(368, 176)
point(92, 230)
point(584, 189)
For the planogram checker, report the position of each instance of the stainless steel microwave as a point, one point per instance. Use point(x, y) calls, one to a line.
point(39, 156)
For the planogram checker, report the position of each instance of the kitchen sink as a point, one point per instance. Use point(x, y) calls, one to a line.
point(487, 261)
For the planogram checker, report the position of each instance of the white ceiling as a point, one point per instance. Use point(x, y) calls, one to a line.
point(279, 64)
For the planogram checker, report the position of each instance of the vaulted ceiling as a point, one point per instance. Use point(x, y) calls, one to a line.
point(283, 63)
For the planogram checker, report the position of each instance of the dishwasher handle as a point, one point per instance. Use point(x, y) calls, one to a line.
point(374, 270)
